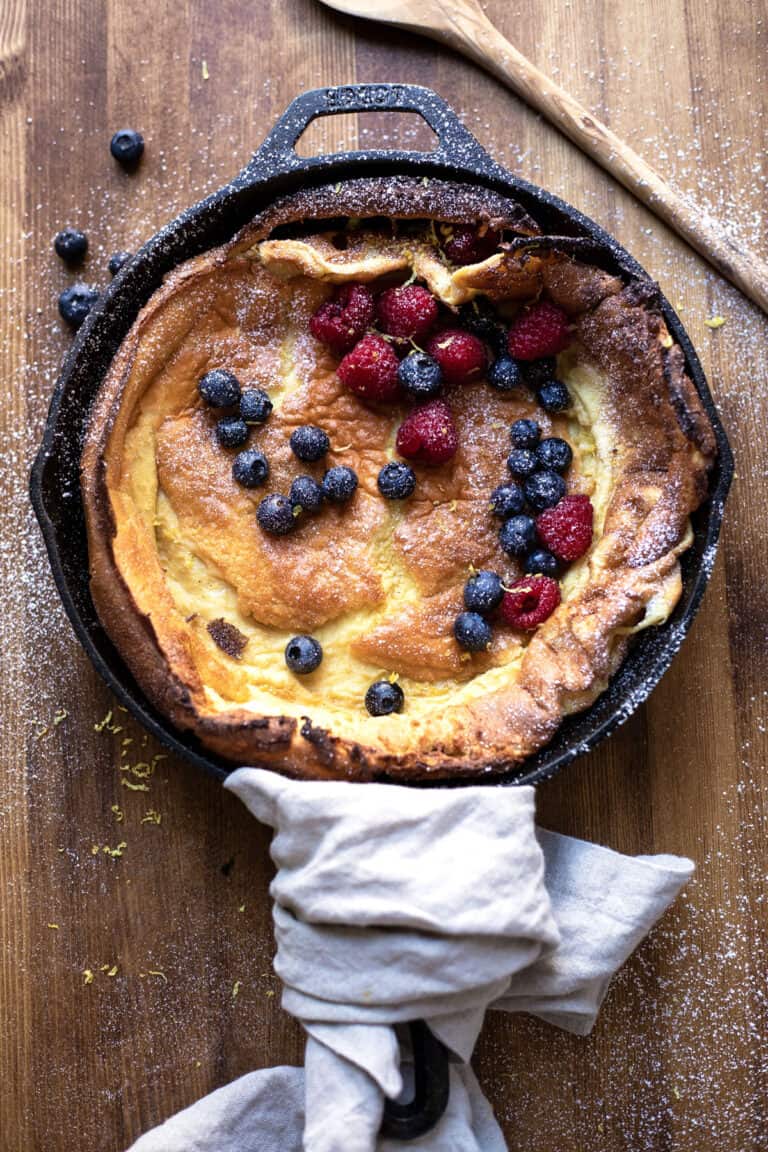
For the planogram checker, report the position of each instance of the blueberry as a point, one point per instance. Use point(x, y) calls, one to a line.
point(420, 376)
point(541, 562)
point(231, 431)
point(507, 500)
point(504, 374)
point(544, 490)
point(116, 261)
point(339, 484)
point(275, 515)
point(250, 468)
point(539, 372)
point(555, 454)
point(480, 319)
point(472, 632)
point(255, 405)
point(71, 244)
point(517, 535)
point(522, 462)
point(483, 592)
point(396, 481)
point(306, 494)
point(525, 434)
point(76, 302)
point(554, 396)
point(303, 654)
point(127, 147)
point(383, 697)
point(219, 388)
point(309, 443)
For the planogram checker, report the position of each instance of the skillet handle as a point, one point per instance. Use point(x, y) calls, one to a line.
point(456, 145)
point(431, 1087)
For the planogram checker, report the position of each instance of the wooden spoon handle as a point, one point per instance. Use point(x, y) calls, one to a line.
point(475, 36)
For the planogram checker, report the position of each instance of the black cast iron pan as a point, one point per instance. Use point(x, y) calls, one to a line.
point(276, 170)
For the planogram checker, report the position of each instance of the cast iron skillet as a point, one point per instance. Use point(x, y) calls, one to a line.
point(276, 170)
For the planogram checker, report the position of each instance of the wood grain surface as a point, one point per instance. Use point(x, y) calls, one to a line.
point(136, 979)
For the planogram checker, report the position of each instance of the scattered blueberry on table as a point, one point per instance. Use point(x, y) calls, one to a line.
point(116, 262)
point(127, 147)
point(76, 302)
point(71, 245)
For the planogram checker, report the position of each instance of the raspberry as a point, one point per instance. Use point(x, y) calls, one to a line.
point(428, 434)
point(529, 602)
point(542, 330)
point(409, 311)
point(370, 369)
point(566, 529)
point(340, 322)
point(461, 355)
point(465, 245)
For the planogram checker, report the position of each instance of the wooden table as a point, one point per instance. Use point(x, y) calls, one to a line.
point(134, 980)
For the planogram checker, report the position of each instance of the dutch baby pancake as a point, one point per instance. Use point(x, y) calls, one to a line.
point(383, 487)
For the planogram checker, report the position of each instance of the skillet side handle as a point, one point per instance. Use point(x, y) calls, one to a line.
point(456, 145)
point(431, 1088)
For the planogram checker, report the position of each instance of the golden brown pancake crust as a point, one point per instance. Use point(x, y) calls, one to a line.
point(199, 602)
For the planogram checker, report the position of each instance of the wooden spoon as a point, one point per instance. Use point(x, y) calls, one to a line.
point(463, 25)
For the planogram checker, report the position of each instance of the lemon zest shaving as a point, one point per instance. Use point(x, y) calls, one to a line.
point(236, 989)
point(206, 73)
point(135, 787)
point(118, 813)
point(151, 816)
point(715, 322)
point(87, 976)
point(52, 926)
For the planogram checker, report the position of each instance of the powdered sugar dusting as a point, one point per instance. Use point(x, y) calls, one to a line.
point(702, 973)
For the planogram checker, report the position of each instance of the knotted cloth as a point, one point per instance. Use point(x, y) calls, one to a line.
point(394, 904)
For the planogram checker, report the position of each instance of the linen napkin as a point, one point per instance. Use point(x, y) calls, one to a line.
point(393, 904)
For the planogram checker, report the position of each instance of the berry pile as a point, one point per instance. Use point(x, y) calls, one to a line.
point(399, 345)
point(541, 526)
